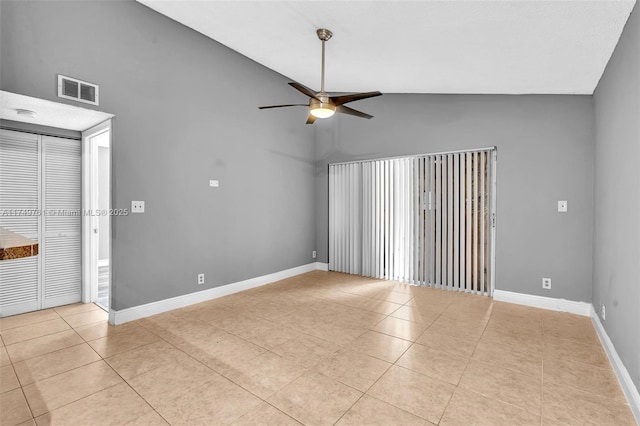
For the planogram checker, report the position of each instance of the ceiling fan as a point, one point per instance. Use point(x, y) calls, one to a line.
point(321, 105)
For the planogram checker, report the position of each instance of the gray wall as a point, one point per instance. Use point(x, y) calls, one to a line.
point(186, 112)
point(545, 154)
point(616, 260)
point(184, 116)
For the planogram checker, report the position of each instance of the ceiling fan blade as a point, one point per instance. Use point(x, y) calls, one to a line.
point(303, 89)
point(346, 110)
point(340, 100)
point(281, 106)
point(311, 119)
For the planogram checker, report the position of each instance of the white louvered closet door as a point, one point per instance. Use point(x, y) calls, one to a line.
point(40, 200)
point(61, 226)
point(19, 204)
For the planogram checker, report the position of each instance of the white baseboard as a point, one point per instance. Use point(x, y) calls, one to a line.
point(550, 303)
point(626, 383)
point(320, 266)
point(153, 308)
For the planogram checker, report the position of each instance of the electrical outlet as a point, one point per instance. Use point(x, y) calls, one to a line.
point(214, 183)
point(546, 283)
point(604, 313)
point(137, 207)
point(200, 279)
point(313, 254)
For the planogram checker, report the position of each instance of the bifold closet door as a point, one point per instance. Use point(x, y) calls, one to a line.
point(19, 205)
point(62, 274)
point(40, 200)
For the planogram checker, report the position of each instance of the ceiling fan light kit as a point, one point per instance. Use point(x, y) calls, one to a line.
point(321, 109)
point(321, 105)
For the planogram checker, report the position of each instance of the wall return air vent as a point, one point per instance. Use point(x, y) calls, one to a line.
point(77, 90)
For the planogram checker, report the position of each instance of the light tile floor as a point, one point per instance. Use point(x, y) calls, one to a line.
point(319, 348)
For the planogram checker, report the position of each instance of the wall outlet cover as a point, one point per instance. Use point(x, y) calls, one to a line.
point(200, 279)
point(562, 206)
point(137, 207)
point(546, 283)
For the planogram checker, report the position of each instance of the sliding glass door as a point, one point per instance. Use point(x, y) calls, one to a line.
point(426, 220)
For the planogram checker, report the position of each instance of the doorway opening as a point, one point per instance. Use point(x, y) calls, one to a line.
point(97, 195)
point(46, 197)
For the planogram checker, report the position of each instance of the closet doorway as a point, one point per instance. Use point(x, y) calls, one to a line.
point(40, 193)
point(43, 203)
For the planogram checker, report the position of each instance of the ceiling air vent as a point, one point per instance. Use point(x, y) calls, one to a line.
point(77, 90)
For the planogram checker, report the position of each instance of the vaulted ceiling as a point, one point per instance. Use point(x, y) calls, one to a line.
point(509, 47)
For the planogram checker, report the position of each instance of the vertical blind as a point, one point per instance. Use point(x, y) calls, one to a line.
point(426, 220)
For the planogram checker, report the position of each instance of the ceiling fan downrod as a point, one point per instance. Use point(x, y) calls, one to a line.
point(324, 35)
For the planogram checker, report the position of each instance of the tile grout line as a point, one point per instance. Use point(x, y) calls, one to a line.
point(466, 367)
point(75, 368)
point(13, 368)
point(49, 334)
point(610, 400)
point(31, 323)
point(52, 352)
point(27, 401)
point(131, 387)
point(269, 350)
point(129, 384)
point(385, 372)
point(412, 341)
point(46, 335)
point(201, 363)
point(490, 397)
point(79, 399)
point(36, 337)
point(515, 371)
point(220, 374)
point(372, 385)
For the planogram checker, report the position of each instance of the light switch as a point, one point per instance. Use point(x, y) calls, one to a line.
point(137, 207)
point(214, 183)
point(562, 206)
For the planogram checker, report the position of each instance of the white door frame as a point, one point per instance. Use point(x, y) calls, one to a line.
point(89, 219)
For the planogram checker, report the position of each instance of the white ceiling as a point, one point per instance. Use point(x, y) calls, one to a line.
point(450, 46)
point(48, 113)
